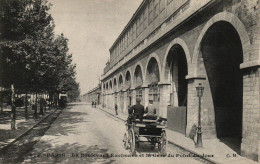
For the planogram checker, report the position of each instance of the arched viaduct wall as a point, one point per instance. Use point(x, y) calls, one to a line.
point(189, 36)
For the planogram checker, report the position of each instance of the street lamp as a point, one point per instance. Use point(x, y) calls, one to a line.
point(200, 90)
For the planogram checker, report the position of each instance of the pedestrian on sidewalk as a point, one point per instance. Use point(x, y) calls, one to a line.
point(116, 109)
point(92, 104)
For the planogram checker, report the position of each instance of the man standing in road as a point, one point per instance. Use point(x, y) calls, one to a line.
point(137, 110)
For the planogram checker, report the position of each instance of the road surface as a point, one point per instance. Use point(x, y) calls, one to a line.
point(82, 134)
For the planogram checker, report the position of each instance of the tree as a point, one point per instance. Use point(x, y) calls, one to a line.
point(31, 56)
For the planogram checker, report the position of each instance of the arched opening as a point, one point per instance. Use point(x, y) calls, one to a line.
point(176, 71)
point(115, 85)
point(110, 85)
point(128, 86)
point(128, 80)
point(120, 82)
point(152, 75)
point(106, 96)
point(138, 82)
point(138, 77)
point(106, 86)
point(222, 54)
point(115, 89)
point(152, 79)
point(121, 94)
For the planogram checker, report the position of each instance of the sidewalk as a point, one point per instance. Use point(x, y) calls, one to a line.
point(222, 153)
point(7, 135)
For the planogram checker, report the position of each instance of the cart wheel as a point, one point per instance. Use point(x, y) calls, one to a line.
point(163, 143)
point(126, 142)
point(132, 142)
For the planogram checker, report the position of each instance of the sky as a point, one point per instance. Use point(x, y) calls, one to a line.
point(91, 26)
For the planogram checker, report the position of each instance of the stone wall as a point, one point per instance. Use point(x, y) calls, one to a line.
point(244, 17)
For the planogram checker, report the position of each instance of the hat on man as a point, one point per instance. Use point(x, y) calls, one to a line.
point(138, 100)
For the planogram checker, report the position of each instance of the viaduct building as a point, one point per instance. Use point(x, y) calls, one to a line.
point(170, 46)
point(93, 95)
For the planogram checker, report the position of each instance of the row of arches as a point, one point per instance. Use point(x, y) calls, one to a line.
point(217, 56)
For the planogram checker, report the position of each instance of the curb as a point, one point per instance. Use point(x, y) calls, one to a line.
point(26, 132)
point(197, 154)
point(111, 114)
point(170, 142)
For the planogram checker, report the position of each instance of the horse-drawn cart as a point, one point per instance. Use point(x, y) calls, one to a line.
point(151, 129)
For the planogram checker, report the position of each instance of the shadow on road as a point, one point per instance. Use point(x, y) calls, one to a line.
point(67, 122)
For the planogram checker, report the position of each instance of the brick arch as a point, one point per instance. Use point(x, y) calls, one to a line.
point(115, 86)
point(176, 41)
point(131, 76)
point(142, 71)
point(110, 84)
point(239, 27)
point(153, 55)
point(107, 86)
point(123, 79)
point(104, 86)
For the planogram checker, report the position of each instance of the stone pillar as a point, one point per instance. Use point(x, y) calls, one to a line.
point(145, 97)
point(113, 100)
point(121, 101)
point(107, 100)
point(125, 102)
point(164, 99)
point(134, 97)
point(250, 146)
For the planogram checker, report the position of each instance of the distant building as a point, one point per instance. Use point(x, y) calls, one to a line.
point(170, 46)
point(92, 95)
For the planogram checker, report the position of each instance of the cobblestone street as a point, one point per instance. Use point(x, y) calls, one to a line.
point(81, 133)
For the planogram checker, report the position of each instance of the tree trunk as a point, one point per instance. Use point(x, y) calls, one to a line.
point(2, 98)
point(13, 115)
point(35, 107)
point(26, 107)
point(56, 101)
point(41, 105)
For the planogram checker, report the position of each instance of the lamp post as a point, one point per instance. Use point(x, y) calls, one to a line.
point(200, 90)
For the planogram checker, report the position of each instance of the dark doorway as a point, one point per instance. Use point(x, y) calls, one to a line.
point(222, 54)
point(177, 64)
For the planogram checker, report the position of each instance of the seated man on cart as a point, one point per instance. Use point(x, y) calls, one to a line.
point(151, 111)
point(136, 111)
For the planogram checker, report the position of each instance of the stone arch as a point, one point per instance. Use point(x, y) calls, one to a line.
point(236, 23)
point(219, 51)
point(128, 79)
point(175, 70)
point(120, 81)
point(176, 41)
point(156, 57)
point(106, 85)
point(115, 84)
point(137, 66)
point(110, 85)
